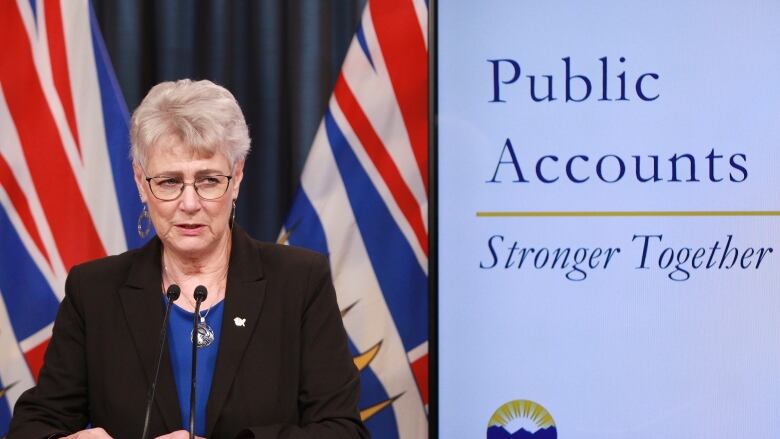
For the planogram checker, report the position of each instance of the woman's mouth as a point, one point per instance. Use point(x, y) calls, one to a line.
point(190, 229)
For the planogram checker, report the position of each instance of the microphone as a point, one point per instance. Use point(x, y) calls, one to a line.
point(172, 293)
point(200, 295)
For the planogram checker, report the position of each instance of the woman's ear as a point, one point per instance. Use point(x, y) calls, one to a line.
point(238, 176)
point(140, 181)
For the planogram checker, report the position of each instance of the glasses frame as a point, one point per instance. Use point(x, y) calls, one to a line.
point(185, 184)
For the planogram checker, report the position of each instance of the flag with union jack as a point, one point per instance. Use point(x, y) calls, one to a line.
point(363, 201)
point(66, 188)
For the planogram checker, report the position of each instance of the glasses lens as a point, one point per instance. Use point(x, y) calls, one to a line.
point(212, 187)
point(166, 188)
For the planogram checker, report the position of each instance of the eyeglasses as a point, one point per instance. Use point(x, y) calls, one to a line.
point(208, 187)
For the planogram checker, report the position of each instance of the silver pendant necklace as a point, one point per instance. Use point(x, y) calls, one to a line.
point(205, 333)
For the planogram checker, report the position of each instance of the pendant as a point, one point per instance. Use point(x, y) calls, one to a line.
point(205, 334)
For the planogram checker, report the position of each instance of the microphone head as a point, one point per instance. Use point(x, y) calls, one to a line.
point(200, 293)
point(173, 292)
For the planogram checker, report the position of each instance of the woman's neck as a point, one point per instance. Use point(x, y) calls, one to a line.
point(189, 272)
point(186, 264)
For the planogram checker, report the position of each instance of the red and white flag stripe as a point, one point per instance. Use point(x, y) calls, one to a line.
point(57, 188)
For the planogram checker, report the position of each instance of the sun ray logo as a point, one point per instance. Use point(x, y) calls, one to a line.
point(521, 419)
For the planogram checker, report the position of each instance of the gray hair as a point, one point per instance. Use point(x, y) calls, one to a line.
point(202, 115)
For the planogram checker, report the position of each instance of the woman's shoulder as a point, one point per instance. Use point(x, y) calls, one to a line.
point(287, 258)
point(110, 271)
point(285, 261)
point(287, 253)
point(108, 265)
point(294, 274)
point(275, 254)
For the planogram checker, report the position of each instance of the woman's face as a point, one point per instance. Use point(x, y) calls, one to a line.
point(189, 225)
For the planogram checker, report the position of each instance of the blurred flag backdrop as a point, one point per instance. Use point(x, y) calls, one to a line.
point(363, 201)
point(66, 188)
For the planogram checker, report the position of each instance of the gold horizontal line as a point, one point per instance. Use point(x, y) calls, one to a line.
point(647, 213)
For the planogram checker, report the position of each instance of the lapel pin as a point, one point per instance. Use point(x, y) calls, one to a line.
point(239, 321)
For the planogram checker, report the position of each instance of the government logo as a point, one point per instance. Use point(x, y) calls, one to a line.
point(521, 419)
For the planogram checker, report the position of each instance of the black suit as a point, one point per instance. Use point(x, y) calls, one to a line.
point(286, 373)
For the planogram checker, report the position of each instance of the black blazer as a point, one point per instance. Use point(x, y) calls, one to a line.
point(287, 373)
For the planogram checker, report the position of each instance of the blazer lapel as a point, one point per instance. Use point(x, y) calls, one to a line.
point(244, 298)
point(142, 302)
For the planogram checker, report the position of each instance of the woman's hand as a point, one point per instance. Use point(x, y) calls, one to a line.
point(180, 434)
point(92, 433)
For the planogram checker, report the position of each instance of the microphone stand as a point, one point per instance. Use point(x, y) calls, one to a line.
point(200, 295)
point(172, 293)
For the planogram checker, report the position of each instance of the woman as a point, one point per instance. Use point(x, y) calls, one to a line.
point(272, 352)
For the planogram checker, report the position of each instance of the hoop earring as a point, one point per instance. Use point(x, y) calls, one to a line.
point(233, 215)
point(144, 225)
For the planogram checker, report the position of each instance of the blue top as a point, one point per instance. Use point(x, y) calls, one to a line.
point(180, 346)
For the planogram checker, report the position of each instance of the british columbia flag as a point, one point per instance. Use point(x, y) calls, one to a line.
point(363, 201)
point(66, 188)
